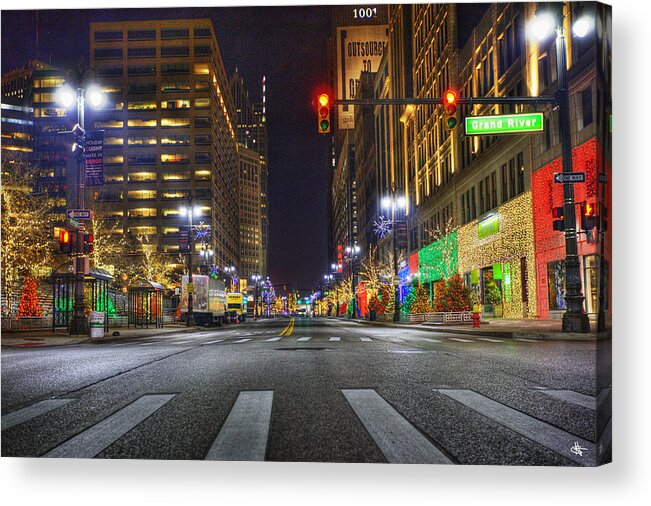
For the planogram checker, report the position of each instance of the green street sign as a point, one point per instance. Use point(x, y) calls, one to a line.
point(506, 124)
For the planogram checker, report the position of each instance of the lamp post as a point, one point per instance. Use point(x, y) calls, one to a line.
point(353, 253)
point(575, 318)
point(189, 211)
point(256, 280)
point(67, 96)
point(394, 202)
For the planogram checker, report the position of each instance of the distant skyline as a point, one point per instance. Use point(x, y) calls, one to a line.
point(287, 45)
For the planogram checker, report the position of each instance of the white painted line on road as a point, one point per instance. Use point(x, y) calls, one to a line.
point(399, 440)
point(242, 340)
point(524, 340)
point(181, 343)
point(243, 437)
point(213, 342)
point(96, 438)
point(304, 338)
point(334, 339)
point(396, 340)
point(29, 412)
point(460, 340)
point(579, 399)
point(366, 339)
point(425, 339)
point(275, 338)
point(149, 344)
point(491, 340)
point(538, 431)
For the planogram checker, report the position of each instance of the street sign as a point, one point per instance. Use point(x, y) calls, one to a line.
point(505, 124)
point(78, 214)
point(73, 223)
point(569, 177)
point(184, 239)
point(602, 177)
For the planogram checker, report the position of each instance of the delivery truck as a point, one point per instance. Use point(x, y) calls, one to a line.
point(208, 300)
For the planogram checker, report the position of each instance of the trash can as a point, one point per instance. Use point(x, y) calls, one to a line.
point(96, 323)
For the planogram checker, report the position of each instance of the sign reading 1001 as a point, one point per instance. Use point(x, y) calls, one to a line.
point(364, 12)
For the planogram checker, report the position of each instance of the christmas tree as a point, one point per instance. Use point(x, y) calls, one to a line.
point(421, 301)
point(453, 296)
point(377, 305)
point(388, 299)
point(408, 300)
point(29, 305)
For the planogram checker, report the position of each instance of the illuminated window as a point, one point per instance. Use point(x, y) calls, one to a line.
point(44, 97)
point(142, 123)
point(142, 141)
point(48, 82)
point(139, 106)
point(113, 178)
point(112, 88)
point(181, 139)
point(175, 194)
point(114, 159)
point(175, 104)
point(109, 124)
point(201, 69)
point(170, 230)
point(170, 213)
point(113, 141)
point(176, 176)
point(142, 176)
point(141, 194)
point(175, 86)
point(201, 175)
point(202, 103)
point(175, 122)
point(142, 230)
point(49, 112)
point(175, 158)
point(143, 212)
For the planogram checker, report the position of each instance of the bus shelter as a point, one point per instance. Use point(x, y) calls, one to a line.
point(96, 294)
point(145, 305)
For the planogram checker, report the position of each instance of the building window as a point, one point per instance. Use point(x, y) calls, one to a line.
point(107, 35)
point(141, 52)
point(505, 184)
point(142, 88)
point(175, 104)
point(141, 123)
point(556, 285)
point(520, 170)
point(174, 33)
point(473, 204)
point(512, 178)
point(493, 189)
point(175, 68)
point(201, 50)
point(176, 86)
point(586, 107)
point(175, 122)
point(110, 70)
point(174, 51)
point(482, 202)
point(142, 70)
point(200, 33)
point(141, 35)
point(141, 106)
point(107, 54)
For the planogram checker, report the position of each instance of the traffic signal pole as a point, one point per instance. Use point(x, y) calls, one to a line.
point(575, 318)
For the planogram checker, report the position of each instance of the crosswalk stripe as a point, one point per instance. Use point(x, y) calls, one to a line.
point(29, 412)
point(243, 436)
point(399, 440)
point(459, 340)
point(275, 338)
point(149, 344)
point(491, 340)
point(242, 340)
point(536, 430)
point(397, 339)
point(96, 438)
point(213, 342)
point(334, 339)
point(365, 339)
point(304, 338)
point(579, 399)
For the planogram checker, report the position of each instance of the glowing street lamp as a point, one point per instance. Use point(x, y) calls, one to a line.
point(395, 202)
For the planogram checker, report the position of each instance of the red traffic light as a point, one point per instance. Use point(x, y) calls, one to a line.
point(450, 97)
point(64, 236)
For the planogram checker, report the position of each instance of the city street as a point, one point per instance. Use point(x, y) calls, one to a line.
point(308, 390)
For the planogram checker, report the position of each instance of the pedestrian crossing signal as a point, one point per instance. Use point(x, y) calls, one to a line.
point(65, 245)
point(559, 222)
point(323, 106)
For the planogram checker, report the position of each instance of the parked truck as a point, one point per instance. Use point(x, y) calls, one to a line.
point(236, 306)
point(208, 300)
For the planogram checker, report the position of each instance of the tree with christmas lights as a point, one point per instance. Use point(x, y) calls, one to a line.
point(408, 300)
point(421, 303)
point(453, 296)
point(388, 299)
point(29, 305)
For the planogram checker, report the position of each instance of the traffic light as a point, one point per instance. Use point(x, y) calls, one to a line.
point(88, 243)
point(450, 109)
point(602, 223)
point(65, 245)
point(588, 215)
point(559, 221)
point(323, 106)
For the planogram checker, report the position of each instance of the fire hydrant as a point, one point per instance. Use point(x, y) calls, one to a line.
point(475, 317)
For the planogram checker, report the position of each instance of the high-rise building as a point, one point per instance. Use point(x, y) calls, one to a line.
point(170, 133)
point(252, 141)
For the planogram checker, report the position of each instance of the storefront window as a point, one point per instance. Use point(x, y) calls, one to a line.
point(556, 285)
point(591, 280)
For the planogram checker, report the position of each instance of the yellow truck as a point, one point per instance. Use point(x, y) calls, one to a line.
point(235, 306)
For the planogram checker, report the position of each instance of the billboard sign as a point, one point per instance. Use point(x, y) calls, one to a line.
point(94, 157)
point(359, 49)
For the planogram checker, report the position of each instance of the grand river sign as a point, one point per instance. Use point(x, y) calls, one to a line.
point(506, 124)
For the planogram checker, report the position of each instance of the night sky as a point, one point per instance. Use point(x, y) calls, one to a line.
point(288, 46)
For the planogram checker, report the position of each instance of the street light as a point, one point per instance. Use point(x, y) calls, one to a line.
point(65, 96)
point(353, 253)
point(256, 280)
point(395, 202)
point(189, 211)
point(574, 319)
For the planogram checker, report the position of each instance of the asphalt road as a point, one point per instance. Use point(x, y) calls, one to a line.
point(310, 390)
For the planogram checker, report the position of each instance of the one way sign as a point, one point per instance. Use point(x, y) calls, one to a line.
point(569, 177)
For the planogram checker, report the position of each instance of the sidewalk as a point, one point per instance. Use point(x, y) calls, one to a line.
point(44, 337)
point(509, 329)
